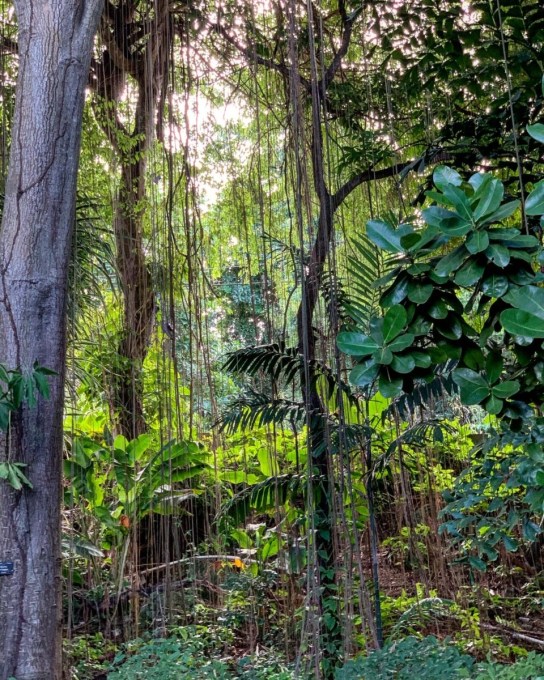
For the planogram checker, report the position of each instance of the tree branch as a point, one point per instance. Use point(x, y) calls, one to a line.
point(366, 176)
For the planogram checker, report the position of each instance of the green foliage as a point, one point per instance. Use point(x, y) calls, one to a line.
point(166, 659)
point(190, 657)
point(140, 478)
point(426, 659)
point(16, 389)
point(529, 668)
point(467, 290)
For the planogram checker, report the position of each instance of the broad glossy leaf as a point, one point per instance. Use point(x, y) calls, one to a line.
point(498, 254)
point(393, 322)
point(450, 328)
point(528, 298)
point(376, 330)
point(473, 358)
point(438, 354)
point(396, 293)
point(390, 388)
point(422, 359)
point(418, 268)
point(524, 241)
point(494, 365)
point(474, 388)
point(460, 201)
point(534, 205)
point(470, 273)
point(450, 223)
point(495, 286)
point(364, 374)
point(438, 310)
point(477, 180)
point(490, 196)
point(451, 262)
point(493, 405)
point(420, 326)
point(537, 132)
point(402, 342)
point(403, 364)
point(518, 322)
point(383, 356)
point(356, 344)
point(502, 213)
point(506, 389)
point(419, 292)
point(477, 242)
point(444, 176)
point(385, 237)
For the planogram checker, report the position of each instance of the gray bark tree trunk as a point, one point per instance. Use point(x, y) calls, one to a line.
point(55, 44)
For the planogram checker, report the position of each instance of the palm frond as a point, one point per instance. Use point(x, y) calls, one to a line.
point(367, 266)
point(424, 395)
point(93, 258)
point(257, 410)
point(274, 360)
point(420, 614)
point(262, 497)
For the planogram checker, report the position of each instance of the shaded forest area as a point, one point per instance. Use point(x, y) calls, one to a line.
point(272, 339)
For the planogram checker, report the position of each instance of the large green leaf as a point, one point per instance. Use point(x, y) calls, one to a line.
point(498, 254)
point(419, 292)
point(529, 299)
point(518, 322)
point(364, 374)
point(534, 205)
point(477, 242)
point(495, 285)
point(537, 132)
point(443, 176)
point(502, 213)
point(402, 342)
point(385, 236)
point(450, 223)
point(470, 273)
point(451, 262)
point(356, 344)
point(492, 192)
point(474, 388)
point(393, 322)
point(403, 364)
point(390, 388)
point(506, 389)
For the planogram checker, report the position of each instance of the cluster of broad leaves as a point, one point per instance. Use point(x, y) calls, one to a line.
point(467, 292)
point(132, 478)
point(465, 288)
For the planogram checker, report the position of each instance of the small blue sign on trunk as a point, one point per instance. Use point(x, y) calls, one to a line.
point(6, 568)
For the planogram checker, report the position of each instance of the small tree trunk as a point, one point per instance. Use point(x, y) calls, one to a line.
point(55, 43)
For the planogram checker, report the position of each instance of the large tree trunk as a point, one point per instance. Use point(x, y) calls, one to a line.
point(146, 63)
point(55, 43)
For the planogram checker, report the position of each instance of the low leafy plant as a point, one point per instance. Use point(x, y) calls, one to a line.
point(529, 668)
point(167, 659)
point(411, 658)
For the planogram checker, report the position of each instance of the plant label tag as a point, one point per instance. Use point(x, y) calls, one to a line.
point(6, 568)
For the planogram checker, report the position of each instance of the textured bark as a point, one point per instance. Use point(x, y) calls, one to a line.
point(55, 42)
